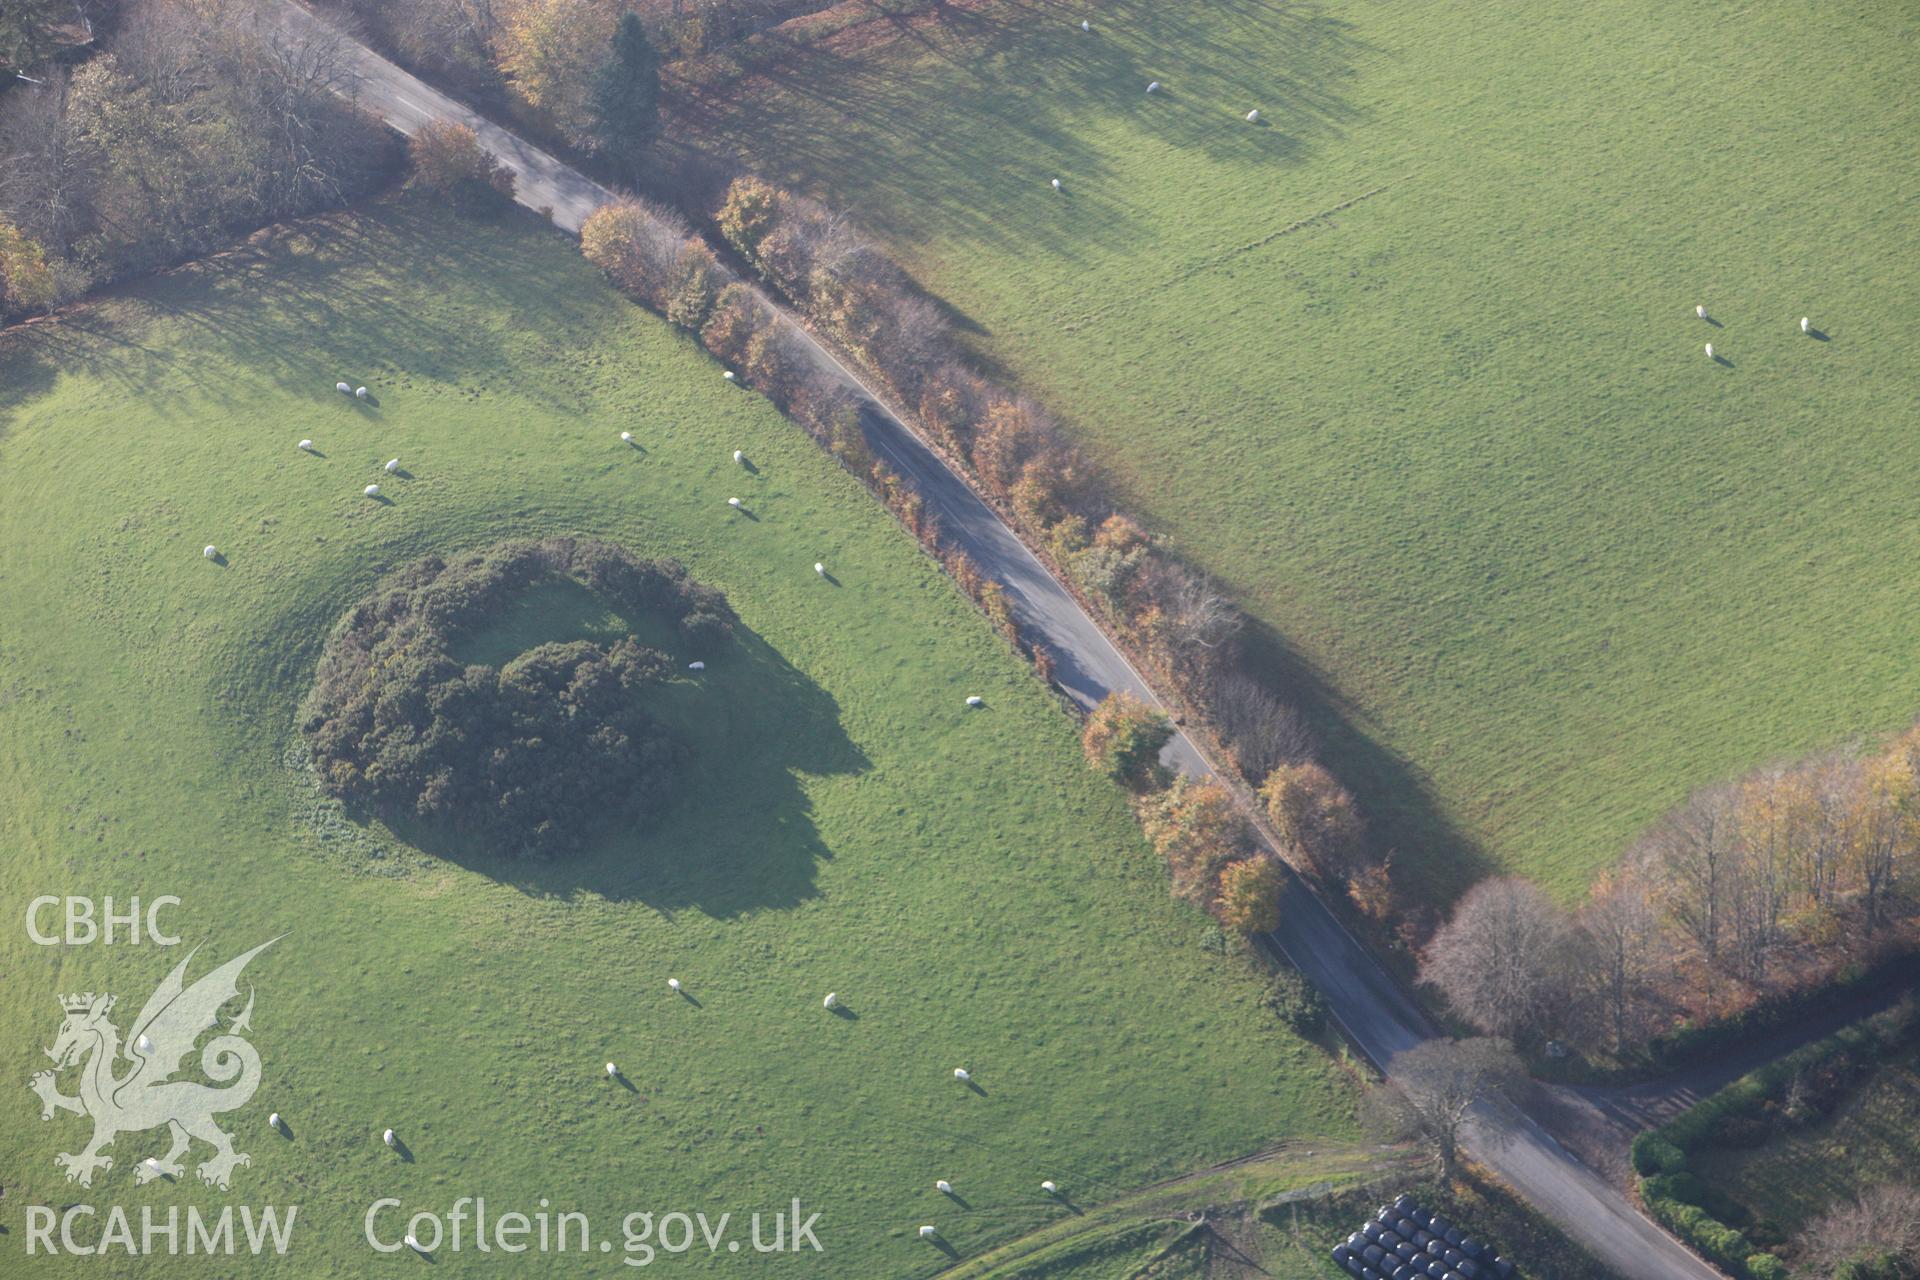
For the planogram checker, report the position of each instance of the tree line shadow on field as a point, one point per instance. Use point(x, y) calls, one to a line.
point(851, 123)
point(304, 304)
point(101, 336)
point(1434, 860)
point(30, 359)
point(738, 834)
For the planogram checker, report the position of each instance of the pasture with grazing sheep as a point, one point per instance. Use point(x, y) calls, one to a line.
point(1411, 365)
point(844, 824)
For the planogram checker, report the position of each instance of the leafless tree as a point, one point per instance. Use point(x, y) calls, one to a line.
point(834, 241)
point(1619, 932)
point(294, 78)
point(810, 239)
point(1834, 780)
point(1193, 617)
point(1884, 1222)
point(1504, 961)
point(46, 168)
point(1262, 731)
point(1693, 853)
point(1432, 1088)
point(172, 52)
point(914, 343)
point(452, 34)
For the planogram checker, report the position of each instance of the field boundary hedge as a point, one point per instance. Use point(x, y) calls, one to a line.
point(1674, 1195)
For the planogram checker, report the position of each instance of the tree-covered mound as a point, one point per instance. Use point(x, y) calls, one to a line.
point(526, 758)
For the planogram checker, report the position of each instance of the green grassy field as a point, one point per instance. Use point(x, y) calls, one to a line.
point(1278, 1215)
point(1872, 1139)
point(1412, 365)
point(971, 891)
point(1153, 1234)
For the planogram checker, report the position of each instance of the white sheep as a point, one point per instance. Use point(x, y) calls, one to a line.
point(728, 375)
point(975, 700)
point(359, 393)
point(739, 456)
point(1056, 184)
point(831, 1002)
point(1805, 327)
point(343, 388)
point(1153, 86)
point(273, 1121)
point(613, 1072)
point(389, 1139)
point(928, 1233)
point(1253, 116)
point(820, 568)
point(1085, 25)
point(1700, 311)
point(944, 1187)
point(626, 437)
point(210, 552)
point(1709, 351)
point(695, 666)
point(1049, 1188)
point(306, 446)
point(372, 491)
point(733, 502)
point(393, 465)
point(673, 984)
point(962, 1075)
point(144, 1044)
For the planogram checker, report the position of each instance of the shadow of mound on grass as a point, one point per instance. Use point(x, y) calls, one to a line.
point(737, 834)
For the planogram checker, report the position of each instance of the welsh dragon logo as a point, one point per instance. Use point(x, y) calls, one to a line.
point(142, 1095)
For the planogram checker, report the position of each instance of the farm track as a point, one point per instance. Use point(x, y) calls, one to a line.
point(1377, 1016)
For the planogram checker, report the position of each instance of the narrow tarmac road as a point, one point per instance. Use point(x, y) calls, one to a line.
point(1376, 1014)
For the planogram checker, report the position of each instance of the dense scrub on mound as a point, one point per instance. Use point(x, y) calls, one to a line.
point(525, 758)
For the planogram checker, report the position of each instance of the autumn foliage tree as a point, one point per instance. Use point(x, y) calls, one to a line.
point(737, 314)
point(747, 215)
point(1010, 432)
point(1886, 826)
point(1123, 737)
point(187, 123)
point(448, 159)
point(1781, 859)
point(1751, 892)
point(949, 401)
point(773, 360)
point(26, 281)
point(1250, 892)
point(1315, 814)
point(650, 253)
point(551, 53)
point(1197, 827)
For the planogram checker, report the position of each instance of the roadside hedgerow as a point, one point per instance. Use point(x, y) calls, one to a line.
point(1297, 1002)
point(1123, 738)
